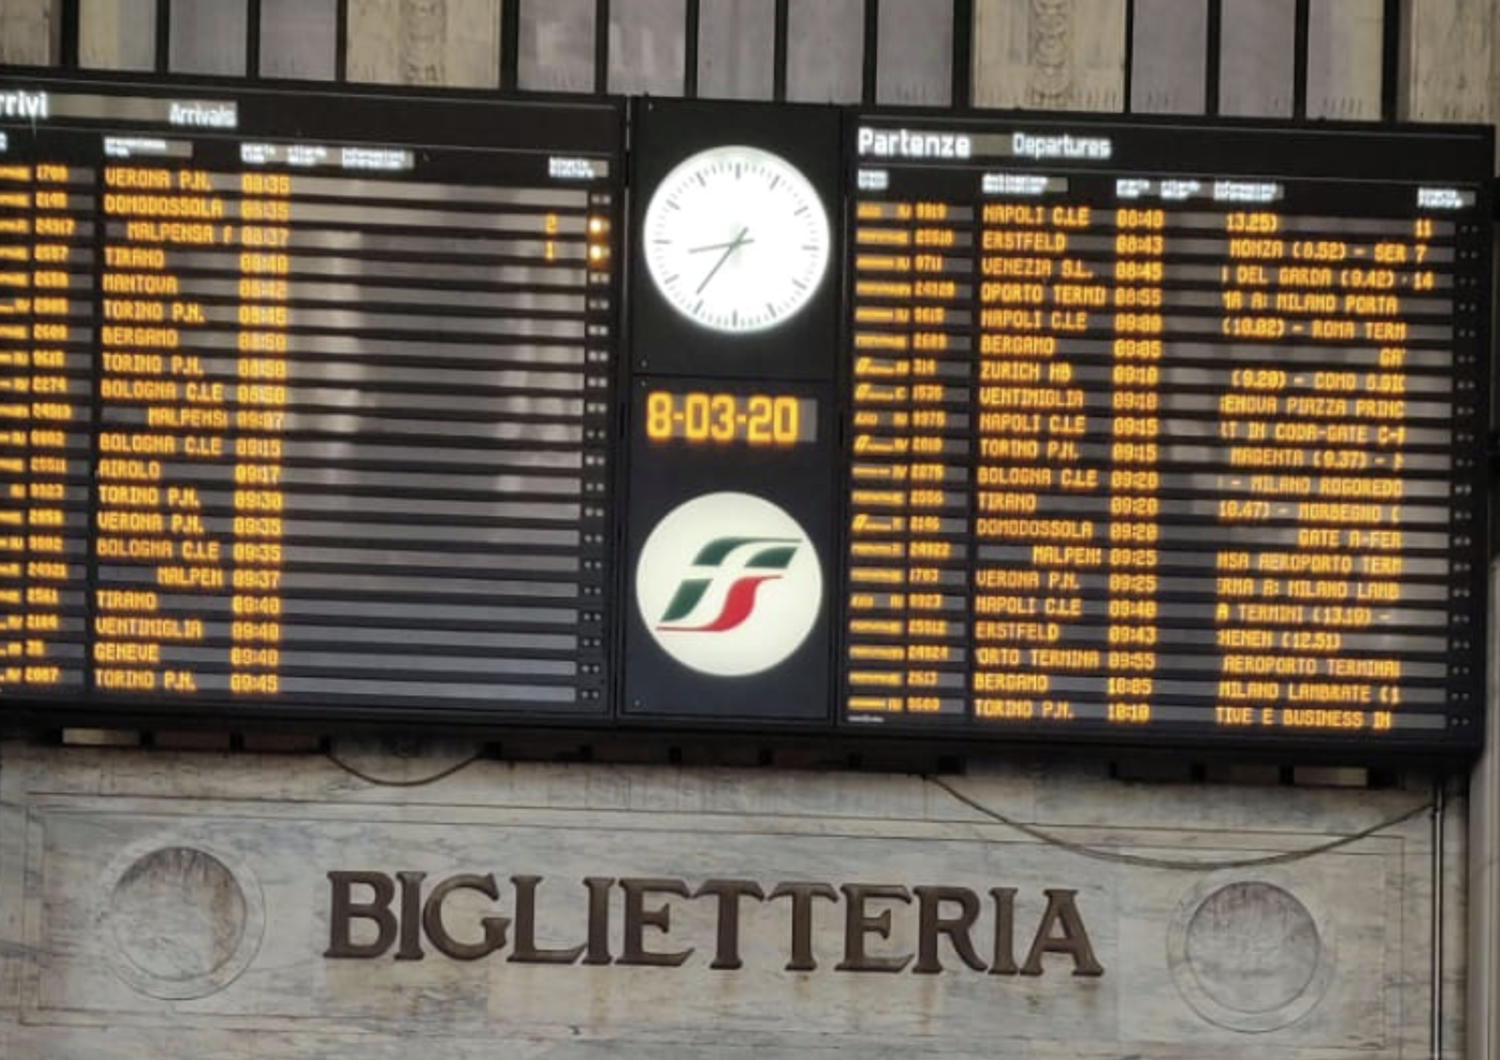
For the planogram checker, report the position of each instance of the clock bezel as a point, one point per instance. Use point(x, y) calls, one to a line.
point(696, 164)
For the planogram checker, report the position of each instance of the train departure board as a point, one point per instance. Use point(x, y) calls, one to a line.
point(305, 398)
point(1171, 429)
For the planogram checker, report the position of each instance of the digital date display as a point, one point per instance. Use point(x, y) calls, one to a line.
point(705, 417)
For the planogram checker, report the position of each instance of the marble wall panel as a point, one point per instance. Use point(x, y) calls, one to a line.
point(1256, 58)
point(556, 49)
point(117, 34)
point(825, 50)
point(646, 47)
point(1049, 54)
point(1483, 877)
point(736, 49)
point(1453, 62)
point(28, 30)
point(1169, 60)
point(179, 905)
point(1344, 46)
point(299, 38)
point(208, 37)
point(914, 53)
point(425, 42)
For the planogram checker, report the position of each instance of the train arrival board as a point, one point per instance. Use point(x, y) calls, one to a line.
point(1177, 429)
point(305, 398)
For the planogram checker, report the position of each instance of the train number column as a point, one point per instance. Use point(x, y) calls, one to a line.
point(45, 266)
point(909, 488)
point(15, 413)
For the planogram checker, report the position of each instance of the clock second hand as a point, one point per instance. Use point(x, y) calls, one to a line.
point(729, 248)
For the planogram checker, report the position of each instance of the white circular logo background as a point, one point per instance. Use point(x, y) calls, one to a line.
point(729, 584)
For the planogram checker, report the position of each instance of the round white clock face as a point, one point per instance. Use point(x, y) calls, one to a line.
point(736, 239)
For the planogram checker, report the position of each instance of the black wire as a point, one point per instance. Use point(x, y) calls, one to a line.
point(441, 774)
point(1120, 857)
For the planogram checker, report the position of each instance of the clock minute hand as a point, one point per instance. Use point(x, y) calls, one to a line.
point(729, 248)
point(719, 246)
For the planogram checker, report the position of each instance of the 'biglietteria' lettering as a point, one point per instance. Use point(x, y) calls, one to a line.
point(405, 909)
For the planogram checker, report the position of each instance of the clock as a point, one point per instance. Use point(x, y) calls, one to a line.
point(736, 239)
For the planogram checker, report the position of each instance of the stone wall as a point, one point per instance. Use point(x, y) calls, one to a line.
point(180, 905)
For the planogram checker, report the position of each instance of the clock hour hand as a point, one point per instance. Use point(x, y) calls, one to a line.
point(729, 248)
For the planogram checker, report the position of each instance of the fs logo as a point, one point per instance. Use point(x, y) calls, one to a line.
point(729, 584)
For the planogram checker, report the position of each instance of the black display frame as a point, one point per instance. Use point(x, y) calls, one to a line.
point(466, 120)
point(1326, 144)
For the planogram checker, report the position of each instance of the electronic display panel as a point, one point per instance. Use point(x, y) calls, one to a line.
point(306, 398)
point(1166, 434)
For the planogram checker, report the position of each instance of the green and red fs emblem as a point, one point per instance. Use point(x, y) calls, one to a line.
point(729, 584)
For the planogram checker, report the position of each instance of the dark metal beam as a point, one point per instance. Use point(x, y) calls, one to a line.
point(963, 54)
point(692, 18)
point(252, 38)
point(510, 44)
point(341, 40)
point(1390, 61)
point(779, 32)
point(1301, 28)
point(69, 24)
point(1214, 42)
point(163, 36)
point(870, 81)
point(601, 45)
